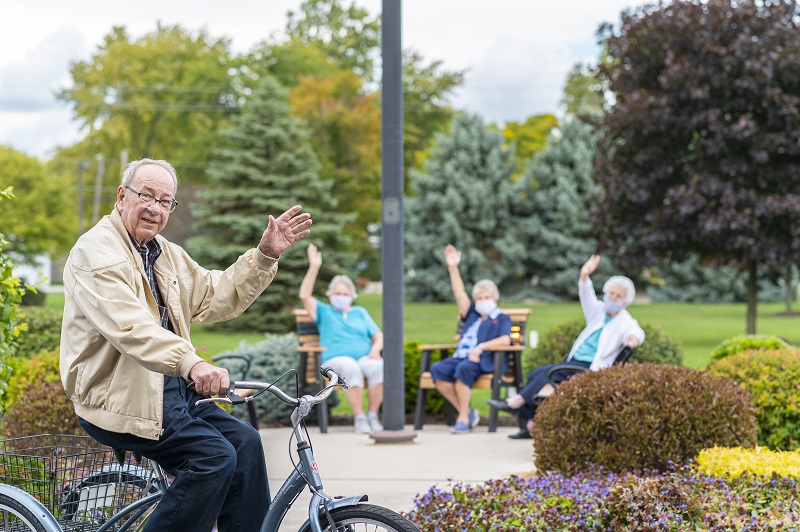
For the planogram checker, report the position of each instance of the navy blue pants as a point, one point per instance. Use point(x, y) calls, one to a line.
point(537, 379)
point(217, 461)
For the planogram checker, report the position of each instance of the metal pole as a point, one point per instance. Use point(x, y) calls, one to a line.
point(82, 165)
point(392, 215)
point(98, 186)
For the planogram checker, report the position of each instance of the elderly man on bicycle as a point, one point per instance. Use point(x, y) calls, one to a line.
point(130, 296)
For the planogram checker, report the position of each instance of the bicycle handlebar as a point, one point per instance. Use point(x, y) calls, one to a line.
point(232, 398)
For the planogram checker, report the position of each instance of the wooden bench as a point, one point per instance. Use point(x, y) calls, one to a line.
point(311, 380)
point(497, 381)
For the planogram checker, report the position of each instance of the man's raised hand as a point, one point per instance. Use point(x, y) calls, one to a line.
point(282, 232)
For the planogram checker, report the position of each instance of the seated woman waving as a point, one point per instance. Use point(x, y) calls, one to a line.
point(352, 339)
point(609, 326)
point(485, 327)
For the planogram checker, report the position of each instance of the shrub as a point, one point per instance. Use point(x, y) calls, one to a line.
point(44, 330)
point(738, 344)
point(771, 377)
point(40, 368)
point(41, 409)
point(658, 346)
point(760, 461)
point(640, 415)
point(270, 359)
point(434, 402)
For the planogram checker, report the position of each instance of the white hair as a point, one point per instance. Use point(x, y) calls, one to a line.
point(342, 279)
point(130, 171)
point(485, 285)
point(624, 283)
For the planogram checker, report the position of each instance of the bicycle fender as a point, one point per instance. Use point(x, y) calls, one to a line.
point(353, 500)
point(38, 509)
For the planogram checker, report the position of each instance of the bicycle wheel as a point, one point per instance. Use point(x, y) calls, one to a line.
point(366, 517)
point(133, 518)
point(15, 517)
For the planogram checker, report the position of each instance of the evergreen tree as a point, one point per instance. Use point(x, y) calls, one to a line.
point(462, 197)
point(556, 214)
point(264, 165)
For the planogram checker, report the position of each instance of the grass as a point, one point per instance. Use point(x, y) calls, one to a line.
point(699, 327)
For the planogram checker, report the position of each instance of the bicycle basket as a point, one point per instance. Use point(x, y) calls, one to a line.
point(77, 479)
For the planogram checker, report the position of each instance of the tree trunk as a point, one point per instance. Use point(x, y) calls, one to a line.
point(752, 296)
point(789, 289)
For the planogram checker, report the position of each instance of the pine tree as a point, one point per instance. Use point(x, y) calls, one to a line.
point(263, 166)
point(462, 197)
point(557, 215)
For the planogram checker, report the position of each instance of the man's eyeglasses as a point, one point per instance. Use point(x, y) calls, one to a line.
point(148, 199)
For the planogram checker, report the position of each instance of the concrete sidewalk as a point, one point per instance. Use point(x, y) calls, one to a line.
point(393, 474)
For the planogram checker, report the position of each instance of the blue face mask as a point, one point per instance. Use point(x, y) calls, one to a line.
point(611, 306)
point(341, 302)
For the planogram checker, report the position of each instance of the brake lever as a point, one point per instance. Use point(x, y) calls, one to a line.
point(230, 397)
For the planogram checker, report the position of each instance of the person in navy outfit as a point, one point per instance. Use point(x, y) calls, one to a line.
point(485, 329)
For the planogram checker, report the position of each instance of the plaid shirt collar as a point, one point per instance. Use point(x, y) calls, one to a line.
point(149, 253)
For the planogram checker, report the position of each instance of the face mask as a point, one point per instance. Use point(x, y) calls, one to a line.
point(485, 306)
point(612, 306)
point(341, 302)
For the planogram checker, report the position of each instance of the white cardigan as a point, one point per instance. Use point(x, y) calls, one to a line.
point(614, 332)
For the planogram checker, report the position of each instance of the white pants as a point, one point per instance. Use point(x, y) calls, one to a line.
point(355, 371)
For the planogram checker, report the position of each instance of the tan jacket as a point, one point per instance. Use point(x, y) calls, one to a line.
point(114, 352)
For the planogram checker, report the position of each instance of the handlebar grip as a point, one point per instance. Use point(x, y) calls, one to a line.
point(326, 371)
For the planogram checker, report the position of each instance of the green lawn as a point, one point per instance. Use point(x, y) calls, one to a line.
point(699, 327)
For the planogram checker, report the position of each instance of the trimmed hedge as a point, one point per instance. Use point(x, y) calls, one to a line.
point(41, 409)
point(43, 330)
point(771, 377)
point(658, 346)
point(636, 416)
point(739, 344)
point(760, 462)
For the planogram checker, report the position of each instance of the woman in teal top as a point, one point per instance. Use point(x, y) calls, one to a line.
point(352, 340)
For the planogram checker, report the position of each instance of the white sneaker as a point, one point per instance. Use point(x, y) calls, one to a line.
point(362, 424)
point(374, 423)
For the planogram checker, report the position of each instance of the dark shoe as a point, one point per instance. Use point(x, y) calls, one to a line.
point(523, 434)
point(501, 405)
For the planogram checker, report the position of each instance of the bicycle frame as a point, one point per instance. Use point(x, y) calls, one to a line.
point(306, 472)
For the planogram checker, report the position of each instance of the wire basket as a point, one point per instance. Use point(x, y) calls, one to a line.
point(81, 482)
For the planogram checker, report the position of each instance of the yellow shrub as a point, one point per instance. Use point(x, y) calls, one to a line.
point(761, 461)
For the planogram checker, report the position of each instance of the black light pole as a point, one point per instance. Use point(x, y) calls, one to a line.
point(392, 223)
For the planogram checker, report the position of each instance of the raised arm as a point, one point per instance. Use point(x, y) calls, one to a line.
point(307, 286)
point(453, 258)
point(590, 267)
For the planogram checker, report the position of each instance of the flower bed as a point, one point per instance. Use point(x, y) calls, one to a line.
point(679, 499)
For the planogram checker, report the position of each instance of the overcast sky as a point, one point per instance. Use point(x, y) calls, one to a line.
point(516, 52)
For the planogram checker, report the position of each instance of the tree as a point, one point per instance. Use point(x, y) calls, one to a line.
point(701, 151)
point(530, 136)
point(557, 210)
point(345, 133)
point(426, 109)
point(583, 93)
point(11, 292)
point(264, 165)
point(164, 95)
point(462, 197)
point(349, 35)
point(41, 219)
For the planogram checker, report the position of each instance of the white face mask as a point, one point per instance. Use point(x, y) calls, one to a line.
point(341, 302)
point(611, 306)
point(484, 307)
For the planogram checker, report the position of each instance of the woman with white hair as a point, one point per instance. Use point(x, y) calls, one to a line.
point(608, 327)
point(485, 328)
point(352, 340)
